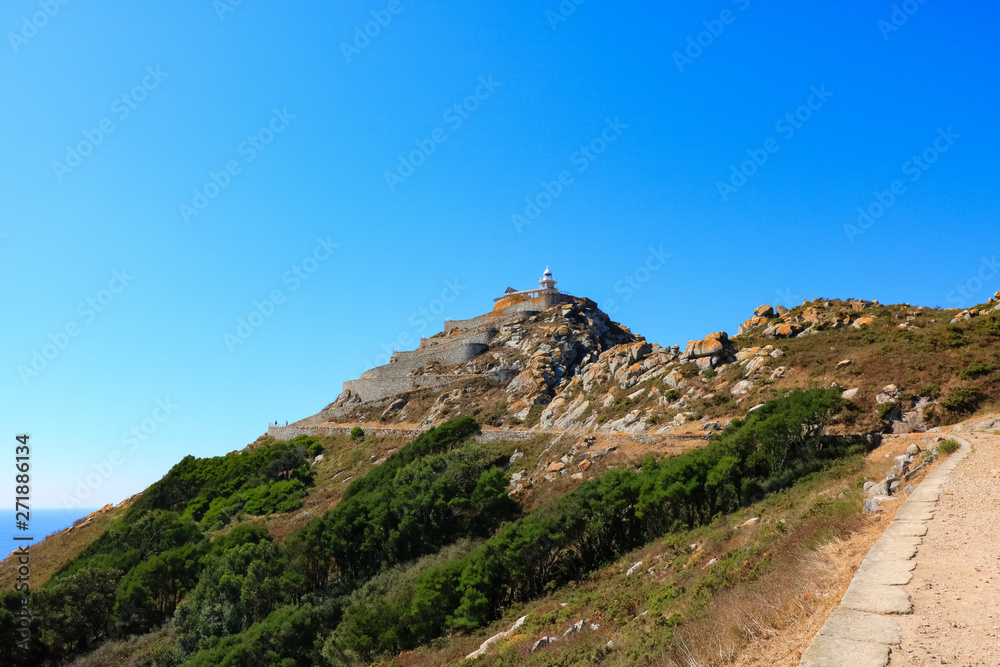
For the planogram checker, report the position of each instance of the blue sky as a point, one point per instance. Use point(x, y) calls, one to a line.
point(168, 170)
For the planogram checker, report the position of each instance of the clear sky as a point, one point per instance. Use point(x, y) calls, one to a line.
point(169, 169)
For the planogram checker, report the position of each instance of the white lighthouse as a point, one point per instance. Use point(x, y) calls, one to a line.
point(547, 282)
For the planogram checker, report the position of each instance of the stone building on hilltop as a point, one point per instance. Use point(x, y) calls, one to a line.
point(459, 341)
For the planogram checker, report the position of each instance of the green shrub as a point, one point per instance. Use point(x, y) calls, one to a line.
point(948, 447)
point(534, 415)
point(709, 373)
point(283, 496)
point(621, 407)
point(885, 409)
point(602, 519)
point(688, 369)
point(975, 370)
point(313, 448)
point(963, 400)
point(426, 495)
point(194, 484)
point(989, 324)
point(931, 391)
point(357, 433)
point(671, 395)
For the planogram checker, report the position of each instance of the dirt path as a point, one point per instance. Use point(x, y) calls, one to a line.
point(955, 589)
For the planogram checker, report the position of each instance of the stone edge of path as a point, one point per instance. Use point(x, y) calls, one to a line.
point(860, 632)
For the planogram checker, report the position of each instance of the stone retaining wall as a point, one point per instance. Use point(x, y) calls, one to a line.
point(370, 390)
point(284, 433)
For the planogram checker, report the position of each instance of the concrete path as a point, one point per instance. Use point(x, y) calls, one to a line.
point(860, 632)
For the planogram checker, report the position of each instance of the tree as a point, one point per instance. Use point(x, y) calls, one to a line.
point(239, 588)
point(75, 611)
point(149, 593)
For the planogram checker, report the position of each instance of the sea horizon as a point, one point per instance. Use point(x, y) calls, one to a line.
point(42, 523)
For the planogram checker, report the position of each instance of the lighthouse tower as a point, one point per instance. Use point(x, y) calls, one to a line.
point(547, 282)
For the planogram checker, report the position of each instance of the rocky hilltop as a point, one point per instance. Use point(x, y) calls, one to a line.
point(543, 463)
point(544, 360)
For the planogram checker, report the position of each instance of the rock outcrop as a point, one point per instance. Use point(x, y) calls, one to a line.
point(812, 317)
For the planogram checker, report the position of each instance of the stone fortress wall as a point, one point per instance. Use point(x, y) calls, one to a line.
point(285, 433)
point(460, 341)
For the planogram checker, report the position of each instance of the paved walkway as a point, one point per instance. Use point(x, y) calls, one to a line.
point(862, 630)
point(955, 588)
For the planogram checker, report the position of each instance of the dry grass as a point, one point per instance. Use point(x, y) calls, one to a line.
point(49, 555)
point(769, 620)
point(773, 622)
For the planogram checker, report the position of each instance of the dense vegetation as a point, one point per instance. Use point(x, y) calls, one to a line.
point(132, 578)
point(601, 520)
point(425, 544)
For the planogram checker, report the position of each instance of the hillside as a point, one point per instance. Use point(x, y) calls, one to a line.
point(569, 368)
point(536, 485)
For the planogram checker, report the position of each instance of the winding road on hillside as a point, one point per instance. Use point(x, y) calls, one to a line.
point(941, 605)
point(955, 589)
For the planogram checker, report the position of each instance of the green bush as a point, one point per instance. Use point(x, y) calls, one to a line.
point(688, 369)
point(283, 496)
point(357, 433)
point(193, 485)
point(885, 409)
point(239, 587)
point(931, 391)
point(76, 610)
point(424, 496)
point(287, 636)
point(534, 415)
point(989, 325)
point(963, 400)
point(602, 519)
point(975, 370)
point(948, 447)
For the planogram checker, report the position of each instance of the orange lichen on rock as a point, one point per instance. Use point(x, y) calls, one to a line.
point(713, 343)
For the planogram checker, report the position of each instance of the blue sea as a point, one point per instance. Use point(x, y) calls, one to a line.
point(43, 522)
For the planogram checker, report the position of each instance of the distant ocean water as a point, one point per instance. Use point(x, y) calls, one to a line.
point(43, 522)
